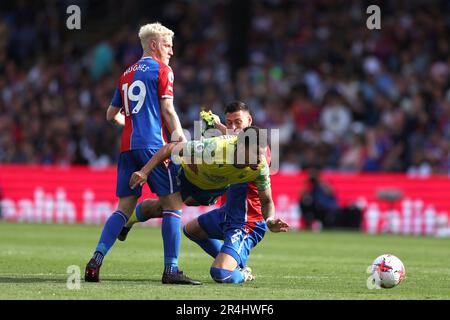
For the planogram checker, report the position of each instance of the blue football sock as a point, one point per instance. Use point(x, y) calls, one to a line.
point(210, 246)
point(171, 223)
point(227, 276)
point(111, 230)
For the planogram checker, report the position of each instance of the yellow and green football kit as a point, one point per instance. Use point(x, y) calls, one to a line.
point(208, 169)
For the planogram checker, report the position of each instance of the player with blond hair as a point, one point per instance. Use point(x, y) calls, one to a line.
point(143, 104)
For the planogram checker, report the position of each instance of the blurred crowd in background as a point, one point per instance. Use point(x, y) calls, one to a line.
point(344, 97)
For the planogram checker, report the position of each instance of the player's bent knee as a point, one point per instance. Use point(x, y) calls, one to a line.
point(225, 261)
point(226, 276)
point(151, 208)
point(220, 275)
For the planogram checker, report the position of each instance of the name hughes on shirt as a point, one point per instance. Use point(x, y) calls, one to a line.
point(141, 67)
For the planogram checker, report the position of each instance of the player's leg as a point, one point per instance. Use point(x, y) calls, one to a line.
point(151, 208)
point(230, 264)
point(190, 194)
point(162, 181)
point(225, 269)
point(112, 227)
point(206, 231)
point(171, 224)
point(147, 209)
point(114, 224)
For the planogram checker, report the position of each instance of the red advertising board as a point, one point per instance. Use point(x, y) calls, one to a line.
point(50, 194)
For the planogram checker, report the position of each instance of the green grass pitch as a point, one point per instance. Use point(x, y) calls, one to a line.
point(296, 265)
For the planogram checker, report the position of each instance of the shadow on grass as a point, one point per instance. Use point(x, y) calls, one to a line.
point(19, 280)
point(131, 280)
point(30, 280)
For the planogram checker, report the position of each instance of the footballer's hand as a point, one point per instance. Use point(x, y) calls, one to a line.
point(138, 178)
point(277, 225)
point(218, 124)
point(216, 119)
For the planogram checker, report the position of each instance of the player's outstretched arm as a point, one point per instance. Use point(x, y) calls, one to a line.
point(268, 210)
point(114, 115)
point(138, 178)
point(172, 121)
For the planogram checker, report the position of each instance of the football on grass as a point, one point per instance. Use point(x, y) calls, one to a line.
point(388, 271)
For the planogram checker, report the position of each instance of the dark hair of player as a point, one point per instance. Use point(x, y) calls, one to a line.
point(236, 106)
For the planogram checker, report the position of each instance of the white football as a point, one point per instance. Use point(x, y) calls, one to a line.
point(388, 271)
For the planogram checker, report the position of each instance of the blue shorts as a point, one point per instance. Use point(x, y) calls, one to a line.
point(201, 196)
point(162, 179)
point(238, 238)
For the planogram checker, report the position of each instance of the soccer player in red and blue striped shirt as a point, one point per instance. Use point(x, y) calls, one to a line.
point(143, 104)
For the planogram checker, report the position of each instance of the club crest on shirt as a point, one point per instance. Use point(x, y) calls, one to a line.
point(198, 147)
point(170, 76)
